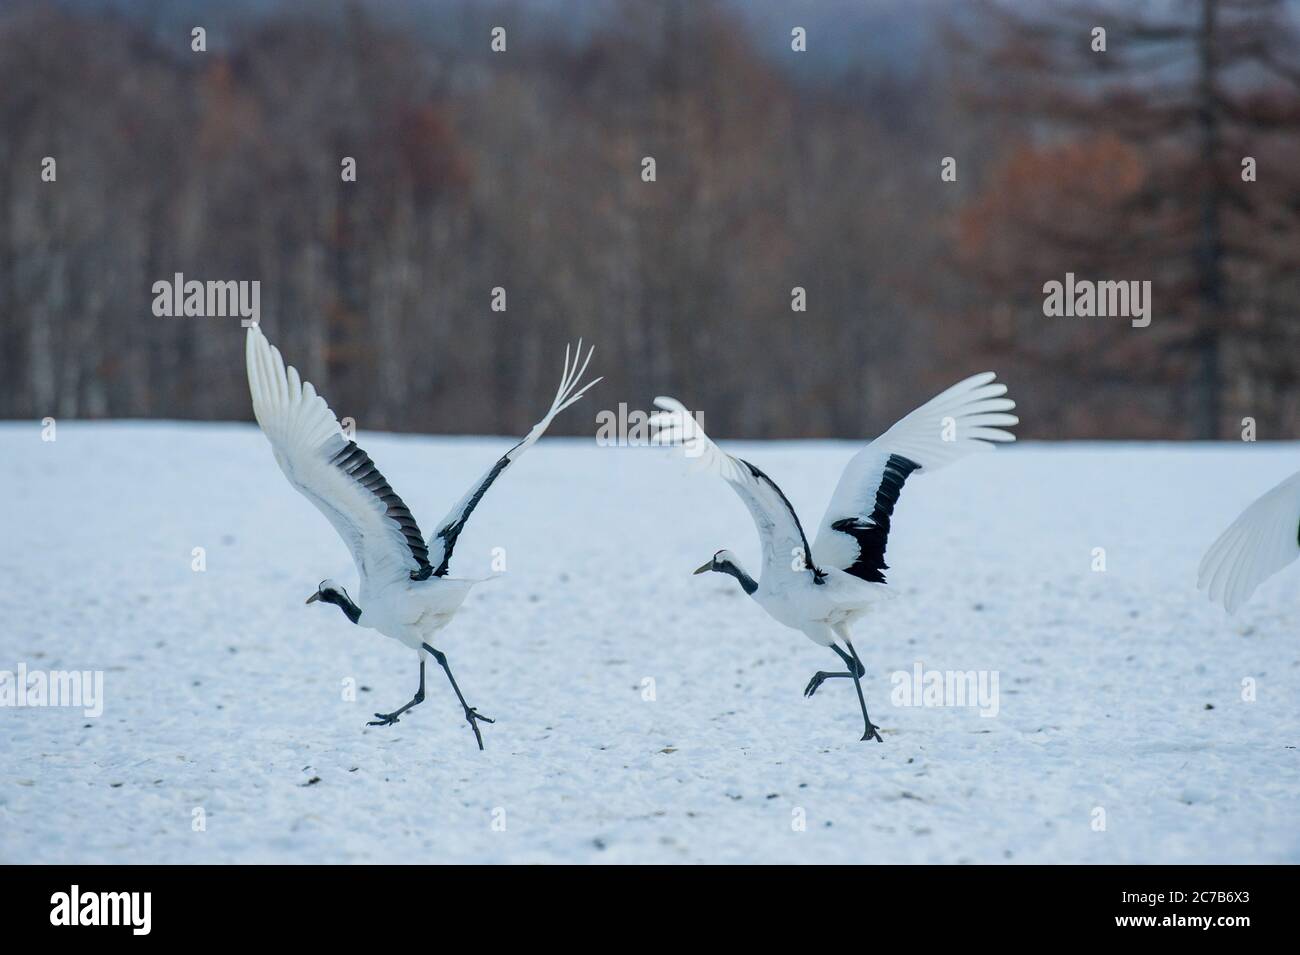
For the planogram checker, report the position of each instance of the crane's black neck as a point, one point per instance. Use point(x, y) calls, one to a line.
point(746, 581)
point(343, 602)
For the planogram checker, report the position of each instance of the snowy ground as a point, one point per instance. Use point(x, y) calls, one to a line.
point(224, 693)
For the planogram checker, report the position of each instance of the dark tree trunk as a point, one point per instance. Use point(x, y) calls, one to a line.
point(1210, 246)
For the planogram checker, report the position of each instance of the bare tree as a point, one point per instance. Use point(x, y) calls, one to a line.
point(1132, 161)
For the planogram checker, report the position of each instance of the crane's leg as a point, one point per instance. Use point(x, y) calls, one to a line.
point(388, 719)
point(822, 675)
point(858, 670)
point(471, 715)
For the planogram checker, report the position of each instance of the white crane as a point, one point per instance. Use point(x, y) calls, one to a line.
point(825, 594)
point(1259, 543)
point(405, 591)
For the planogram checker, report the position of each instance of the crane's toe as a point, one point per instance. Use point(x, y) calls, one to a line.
point(472, 716)
point(817, 680)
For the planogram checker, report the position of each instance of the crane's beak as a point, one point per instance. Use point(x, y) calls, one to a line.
point(708, 566)
point(314, 597)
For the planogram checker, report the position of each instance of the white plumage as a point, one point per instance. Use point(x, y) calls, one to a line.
point(822, 595)
point(967, 418)
point(1259, 543)
point(404, 593)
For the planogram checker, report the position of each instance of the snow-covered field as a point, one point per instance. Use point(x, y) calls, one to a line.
point(1119, 690)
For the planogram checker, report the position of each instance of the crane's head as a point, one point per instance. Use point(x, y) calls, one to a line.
point(331, 593)
point(724, 562)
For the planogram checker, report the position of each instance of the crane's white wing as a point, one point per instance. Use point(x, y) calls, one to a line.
point(968, 417)
point(331, 471)
point(443, 541)
point(785, 547)
point(1259, 543)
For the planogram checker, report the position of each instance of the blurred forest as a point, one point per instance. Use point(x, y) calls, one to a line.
point(775, 169)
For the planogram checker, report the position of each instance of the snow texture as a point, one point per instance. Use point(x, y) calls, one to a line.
point(1119, 689)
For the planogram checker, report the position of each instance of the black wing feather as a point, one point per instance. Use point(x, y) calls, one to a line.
point(354, 462)
point(818, 575)
point(872, 534)
point(450, 532)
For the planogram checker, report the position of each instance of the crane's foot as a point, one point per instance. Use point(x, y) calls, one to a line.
point(815, 683)
point(871, 733)
point(472, 716)
point(385, 719)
